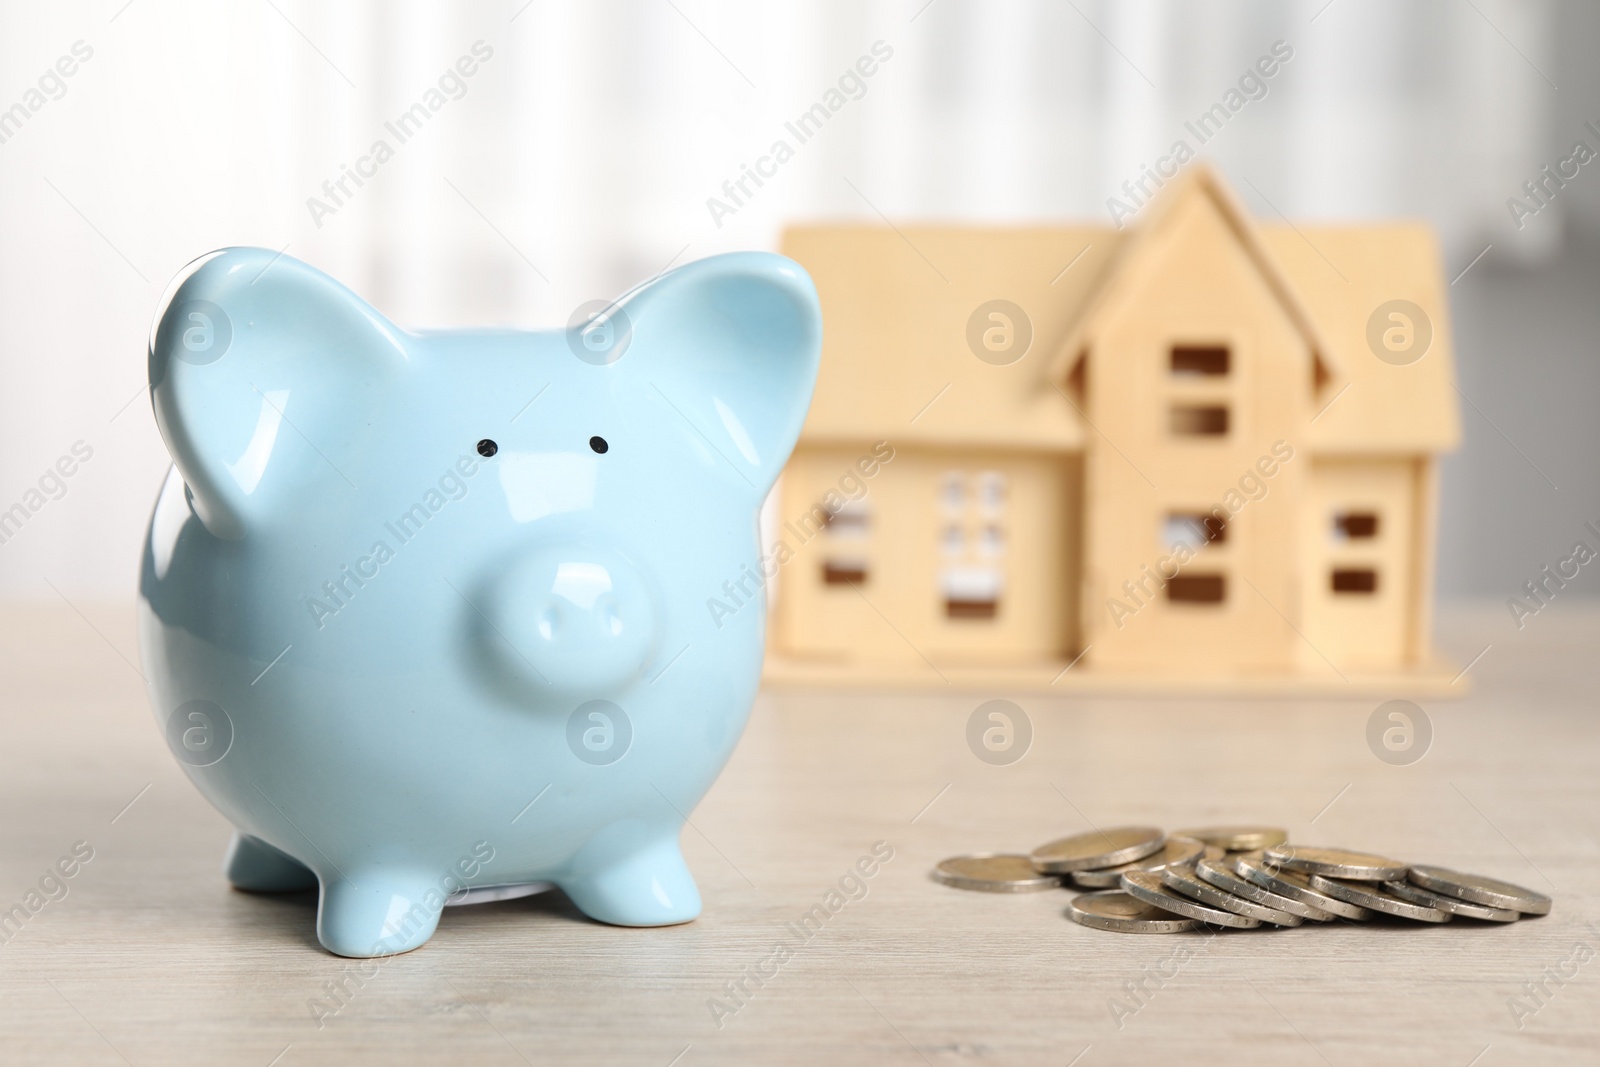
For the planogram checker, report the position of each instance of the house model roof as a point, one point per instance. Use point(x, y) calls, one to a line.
point(896, 302)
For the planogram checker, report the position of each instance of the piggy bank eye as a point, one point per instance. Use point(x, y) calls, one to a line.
point(599, 444)
point(487, 448)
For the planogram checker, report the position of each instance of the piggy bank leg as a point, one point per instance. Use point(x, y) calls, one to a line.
point(257, 867)
point(621, 879)
point(375, 913)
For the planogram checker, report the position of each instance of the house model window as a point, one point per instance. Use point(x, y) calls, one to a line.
point(846, 536)
point(1196, 364)
point(1355, 525)
point(972, 543)
point(1354, 577)
point(1194, 529)
point(1197, 530)
point(1197, 589)
point(1198, 420)
point(1200, 361)
point(1355, 580)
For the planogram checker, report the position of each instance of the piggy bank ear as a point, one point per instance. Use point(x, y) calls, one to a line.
point(732, 342)
point(266, 376)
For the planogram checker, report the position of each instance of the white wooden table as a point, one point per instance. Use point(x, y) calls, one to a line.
point(150, 958)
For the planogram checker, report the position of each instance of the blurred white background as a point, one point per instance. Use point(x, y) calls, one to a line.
point(578, 158)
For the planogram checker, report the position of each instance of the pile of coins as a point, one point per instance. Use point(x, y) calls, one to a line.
point(1240, 877)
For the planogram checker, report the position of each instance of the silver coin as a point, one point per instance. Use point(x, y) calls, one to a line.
point(994, 872)
point(1098, 848)
point(1366, 895)
point(1455, 906)
point(1238, 838)
point(1112, 909)
point(1490, 892)
point(1149, 887)
point(1107, 878)
point(1177, 852)
point(1191, 885)
point(1335, 863)
point(1295, 887)
point(1222, 875)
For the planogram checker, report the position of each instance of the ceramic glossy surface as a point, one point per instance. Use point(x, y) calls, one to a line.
point(427, 612)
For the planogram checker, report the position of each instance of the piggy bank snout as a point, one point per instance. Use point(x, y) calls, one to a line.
point(575, 618)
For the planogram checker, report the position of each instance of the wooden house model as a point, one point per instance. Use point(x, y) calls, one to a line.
point(1202, 451)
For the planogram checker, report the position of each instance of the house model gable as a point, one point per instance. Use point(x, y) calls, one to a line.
point(1200, 247)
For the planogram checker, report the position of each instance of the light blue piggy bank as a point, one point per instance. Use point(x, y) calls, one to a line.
point(424, 613)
